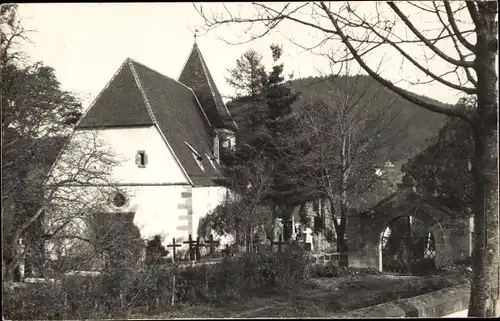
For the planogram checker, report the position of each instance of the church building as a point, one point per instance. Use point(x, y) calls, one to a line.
point(167, 134)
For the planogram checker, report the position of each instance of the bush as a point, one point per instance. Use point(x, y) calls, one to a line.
point(117, 293)
point(331, 271)
point(458, 267)
point(33, 301)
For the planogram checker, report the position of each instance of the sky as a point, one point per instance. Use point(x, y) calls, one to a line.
point(87, 42)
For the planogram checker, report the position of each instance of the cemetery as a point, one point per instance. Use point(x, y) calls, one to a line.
point(329, 160)
point(279, 279)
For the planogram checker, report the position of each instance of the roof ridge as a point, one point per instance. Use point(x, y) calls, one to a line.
point(143, 93)
point(178, 82)
point(185, 63)
point(162, 74)
point(209, 78)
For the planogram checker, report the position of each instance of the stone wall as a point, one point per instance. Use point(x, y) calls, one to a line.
point(434, 304)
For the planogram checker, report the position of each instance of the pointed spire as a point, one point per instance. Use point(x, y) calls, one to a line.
point(197, 76)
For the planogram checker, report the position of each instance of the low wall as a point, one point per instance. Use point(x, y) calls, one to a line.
point(434, 304)
point(324, 258)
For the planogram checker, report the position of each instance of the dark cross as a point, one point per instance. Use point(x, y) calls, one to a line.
point(194, 248)
point(190, 242)
point(212, 244)
point(279, 243)
point(173, 246)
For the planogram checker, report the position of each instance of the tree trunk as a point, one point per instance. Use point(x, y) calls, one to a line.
point(485, 265)
point(251, 239)
point(8, 272)
point(484, 286)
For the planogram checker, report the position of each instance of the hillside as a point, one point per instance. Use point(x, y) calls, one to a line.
point(417, 125)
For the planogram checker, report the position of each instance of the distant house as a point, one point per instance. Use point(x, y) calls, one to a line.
point(167, 134)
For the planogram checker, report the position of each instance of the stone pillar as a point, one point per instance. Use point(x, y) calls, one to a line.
point(460, 238)
point(354, 241)
point(363, 242)
point(444, 252)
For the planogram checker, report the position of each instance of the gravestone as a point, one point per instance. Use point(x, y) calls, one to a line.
point(211, 243)
point(308, 239)
point(277, 232)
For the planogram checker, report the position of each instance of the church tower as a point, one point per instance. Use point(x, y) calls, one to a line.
point(196, 75)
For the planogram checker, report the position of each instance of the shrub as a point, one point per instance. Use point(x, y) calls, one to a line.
point(331, 271)
point(33, 301)
point(458, 267)
point(119, 292)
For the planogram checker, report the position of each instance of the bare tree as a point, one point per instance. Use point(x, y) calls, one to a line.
point(351, 134)
point(12, 34)
point(78, 185)
point(250, 182)
point(463, 38)
point(37, 119)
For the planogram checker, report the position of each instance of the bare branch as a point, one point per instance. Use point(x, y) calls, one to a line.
point(426, 41)
point(454, 27)
point(389, 85)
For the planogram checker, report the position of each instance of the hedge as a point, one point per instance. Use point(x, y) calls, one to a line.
point(118, 293)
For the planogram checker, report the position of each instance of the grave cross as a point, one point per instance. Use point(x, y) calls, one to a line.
point(173, 246)
point(212, 244)
point(194, 248)
point(279, 243)
point(190, 242)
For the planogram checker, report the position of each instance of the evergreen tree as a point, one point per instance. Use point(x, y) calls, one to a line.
point(249, 75)
point(261, 153)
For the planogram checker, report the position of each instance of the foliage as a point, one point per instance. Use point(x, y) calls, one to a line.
point(249, 75)
point(331, 271)
point(39, 203)
point(119, 238)
point(252, 168)
point(442, 170)
point(121, 292)
point(155, 251)
point(36, 117)
point(456, 267)
point(471, 27)
point(223, 219)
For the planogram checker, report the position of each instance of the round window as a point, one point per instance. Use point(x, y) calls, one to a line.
point(119, 199)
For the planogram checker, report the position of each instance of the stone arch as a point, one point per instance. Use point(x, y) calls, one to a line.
point(439, 233)
point(365, 229)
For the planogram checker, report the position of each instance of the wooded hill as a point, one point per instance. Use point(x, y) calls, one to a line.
point(417, 125)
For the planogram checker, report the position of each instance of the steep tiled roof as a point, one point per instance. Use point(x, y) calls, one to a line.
point(197, 76)
point(120, 103)
point(138, 95)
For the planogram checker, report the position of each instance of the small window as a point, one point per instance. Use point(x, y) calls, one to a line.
point(141, 159)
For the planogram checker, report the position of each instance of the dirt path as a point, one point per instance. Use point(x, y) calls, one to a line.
point(326, 297)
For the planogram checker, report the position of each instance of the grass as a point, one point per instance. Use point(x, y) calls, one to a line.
point(322, 297)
